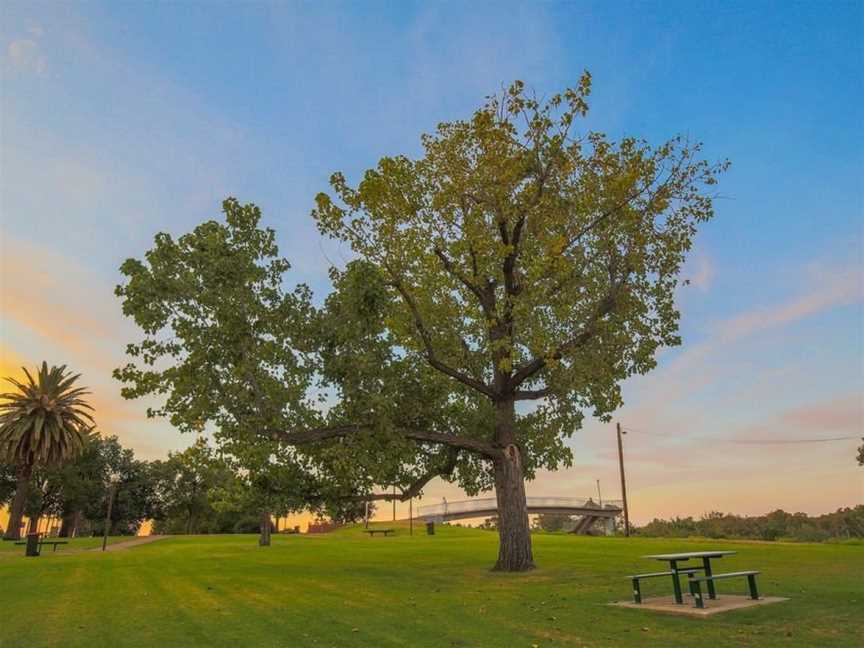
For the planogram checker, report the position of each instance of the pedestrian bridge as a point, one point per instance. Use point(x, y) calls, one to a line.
point(589, 511)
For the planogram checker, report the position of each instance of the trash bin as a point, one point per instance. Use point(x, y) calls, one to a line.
point(430, 528)
point(32, 544)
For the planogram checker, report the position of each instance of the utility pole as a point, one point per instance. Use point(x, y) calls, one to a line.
point(394, 502)
point(623, 482)
point(599, 496)
point(411, 516)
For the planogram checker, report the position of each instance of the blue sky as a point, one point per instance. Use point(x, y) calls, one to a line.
point(119, 120)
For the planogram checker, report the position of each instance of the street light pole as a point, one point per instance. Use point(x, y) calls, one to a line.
point(623, 482)
point(111, 488)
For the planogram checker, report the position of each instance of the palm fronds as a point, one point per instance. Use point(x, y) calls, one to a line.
point(45, 420)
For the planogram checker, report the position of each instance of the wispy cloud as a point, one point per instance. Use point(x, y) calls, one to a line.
point(53, 309)
point(25, 54)
point(832, 287)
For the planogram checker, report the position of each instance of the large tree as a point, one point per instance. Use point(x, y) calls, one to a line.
point(42, 423)
point(514, 262)
point(531, 264)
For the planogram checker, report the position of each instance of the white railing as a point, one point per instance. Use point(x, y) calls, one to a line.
point(487, 504)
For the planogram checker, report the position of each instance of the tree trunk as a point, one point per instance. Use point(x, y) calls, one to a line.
point(264, 540)
point(65, 526)
point(76, 524)
point(16, 511)
point(33, 525)
point(514, 535)
point(69, 523)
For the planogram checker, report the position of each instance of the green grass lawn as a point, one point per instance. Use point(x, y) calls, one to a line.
point(346, 589)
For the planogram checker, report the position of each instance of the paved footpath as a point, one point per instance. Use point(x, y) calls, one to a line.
point(122, 546)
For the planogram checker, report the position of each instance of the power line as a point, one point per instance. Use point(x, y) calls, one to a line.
point(784, 441)
point(746, 441)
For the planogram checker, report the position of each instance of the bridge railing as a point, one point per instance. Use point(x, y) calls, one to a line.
point(486, 504)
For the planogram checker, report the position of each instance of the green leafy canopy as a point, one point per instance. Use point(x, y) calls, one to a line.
point(529, 261)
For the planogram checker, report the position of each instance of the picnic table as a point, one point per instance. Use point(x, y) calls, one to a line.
point(674, 570)
point(372, 532)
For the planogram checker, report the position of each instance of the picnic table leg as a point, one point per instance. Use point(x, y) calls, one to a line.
point(637, 592)
point(696, 591)
point(751, 583)
point(676, 584)
point(706, 563)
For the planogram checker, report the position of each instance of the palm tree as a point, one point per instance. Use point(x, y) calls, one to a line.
point(42, 423)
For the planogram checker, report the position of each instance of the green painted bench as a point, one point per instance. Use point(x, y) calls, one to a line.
point(637, 589)
point(386, 532)
point(696, 584)
point(48, 542)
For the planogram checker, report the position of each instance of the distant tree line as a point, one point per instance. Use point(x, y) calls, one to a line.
point(778, 525)
point(198, 490)
point(75, 493)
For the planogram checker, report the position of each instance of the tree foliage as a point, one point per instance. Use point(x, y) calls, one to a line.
point(777, 525)
point(517, 260)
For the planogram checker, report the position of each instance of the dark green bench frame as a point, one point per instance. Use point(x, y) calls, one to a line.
point(44, 542)
point(696, 587)
point(386, 532)
point(637, 589)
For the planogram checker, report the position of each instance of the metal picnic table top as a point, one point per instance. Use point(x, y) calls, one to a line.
point(690, 554)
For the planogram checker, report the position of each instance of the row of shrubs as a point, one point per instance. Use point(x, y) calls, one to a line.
point(843, 524)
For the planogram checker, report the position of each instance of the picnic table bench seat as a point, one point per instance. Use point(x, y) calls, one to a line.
point(696, 584)
point(637, 590)
point(372, 532)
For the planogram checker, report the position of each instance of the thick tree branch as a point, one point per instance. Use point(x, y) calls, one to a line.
point(312, 435)
point(418, 485)
point(431, 357)
point(606, 306)
point(478, 292)
point(462, 443)
point(531, 394)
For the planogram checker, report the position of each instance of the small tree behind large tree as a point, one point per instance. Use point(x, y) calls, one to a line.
point(42, 423)
point(531, 263)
